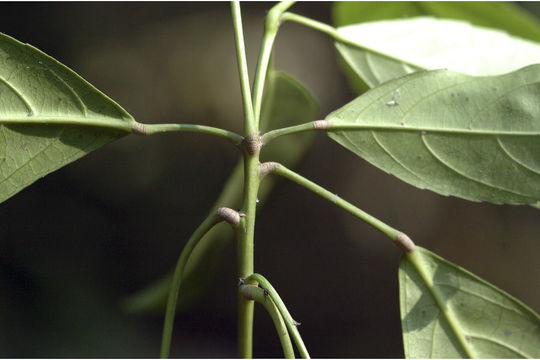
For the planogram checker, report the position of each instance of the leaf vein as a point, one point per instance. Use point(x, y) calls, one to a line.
point(19, 94)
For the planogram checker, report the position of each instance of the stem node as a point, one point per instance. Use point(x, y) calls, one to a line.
point(321, 125)
point(138, 129)
point(405, 242)
point(266, 168)
point(229, 215)
point(252, 144)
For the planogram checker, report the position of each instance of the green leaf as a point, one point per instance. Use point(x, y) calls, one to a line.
point(447, 312)
point(49, 116)
point(287, 102)
point(494, 14)
point(393, 48)
point(477, 138)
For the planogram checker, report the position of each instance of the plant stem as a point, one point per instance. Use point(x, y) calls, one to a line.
point(246, 254)
point(332, 31)
point(289, 321)
point(205, 226)
point(300, 180)
point(257, 294)
point(249, 120)
point(151, 129)
point(271, 28)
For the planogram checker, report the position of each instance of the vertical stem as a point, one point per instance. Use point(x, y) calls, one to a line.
point(245, 253)
point(249, 120)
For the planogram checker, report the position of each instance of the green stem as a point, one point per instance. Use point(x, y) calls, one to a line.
point(332, 31)
point(257, 294)
point(246, 252)
point(151, 129)
point(289, 321)
point(205, 226)
point(271, 28)
point(271, 135)
point(300, 180)
point(249, 120)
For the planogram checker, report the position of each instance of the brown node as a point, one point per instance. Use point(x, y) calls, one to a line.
point(321, 125)
point(139, 129)
point(229, 215)
point(267, 167)
point(252, 143)
point(405, 242)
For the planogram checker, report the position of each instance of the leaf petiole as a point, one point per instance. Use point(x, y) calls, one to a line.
point(289, 321)
point(259, 295)
point(398, 237)
point(334, 33)
point(273, 20)
point(222, 214)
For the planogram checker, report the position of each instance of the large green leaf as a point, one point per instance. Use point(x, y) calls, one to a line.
point(473, 137)
point(287, 102)
point(494, 14)
point(49, 116)
point(447, 312)
point(430, 43)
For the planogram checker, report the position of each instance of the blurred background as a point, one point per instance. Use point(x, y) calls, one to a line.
point(76, 243)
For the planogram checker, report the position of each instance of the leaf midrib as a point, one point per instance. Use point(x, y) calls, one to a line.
point(80, 120)
point(341, 125)
point(444, 310)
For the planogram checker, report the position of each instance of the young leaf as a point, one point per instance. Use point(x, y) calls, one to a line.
point(287, 102)
point(477, 138)
point(49, 116)
point(394, 48)
point(447, 312)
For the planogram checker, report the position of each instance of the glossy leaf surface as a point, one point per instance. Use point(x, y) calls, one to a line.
point(447, 312)
point(49, 116)
point(477, 138)
point(287, 102)
point(430, 43)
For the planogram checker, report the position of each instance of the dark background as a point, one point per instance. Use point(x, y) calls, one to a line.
point(74, 244)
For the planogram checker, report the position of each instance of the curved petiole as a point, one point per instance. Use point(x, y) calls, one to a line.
point(273, 20)
point(333, 32)
point(222, 214)
point(289, 321)
point(259, 295)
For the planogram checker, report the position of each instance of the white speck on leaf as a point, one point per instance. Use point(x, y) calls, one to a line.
point(392, 103)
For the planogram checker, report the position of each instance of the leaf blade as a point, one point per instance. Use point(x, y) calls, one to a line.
point(470, 137)
point(429, 44)
point(49, 116)
point(462, 314)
